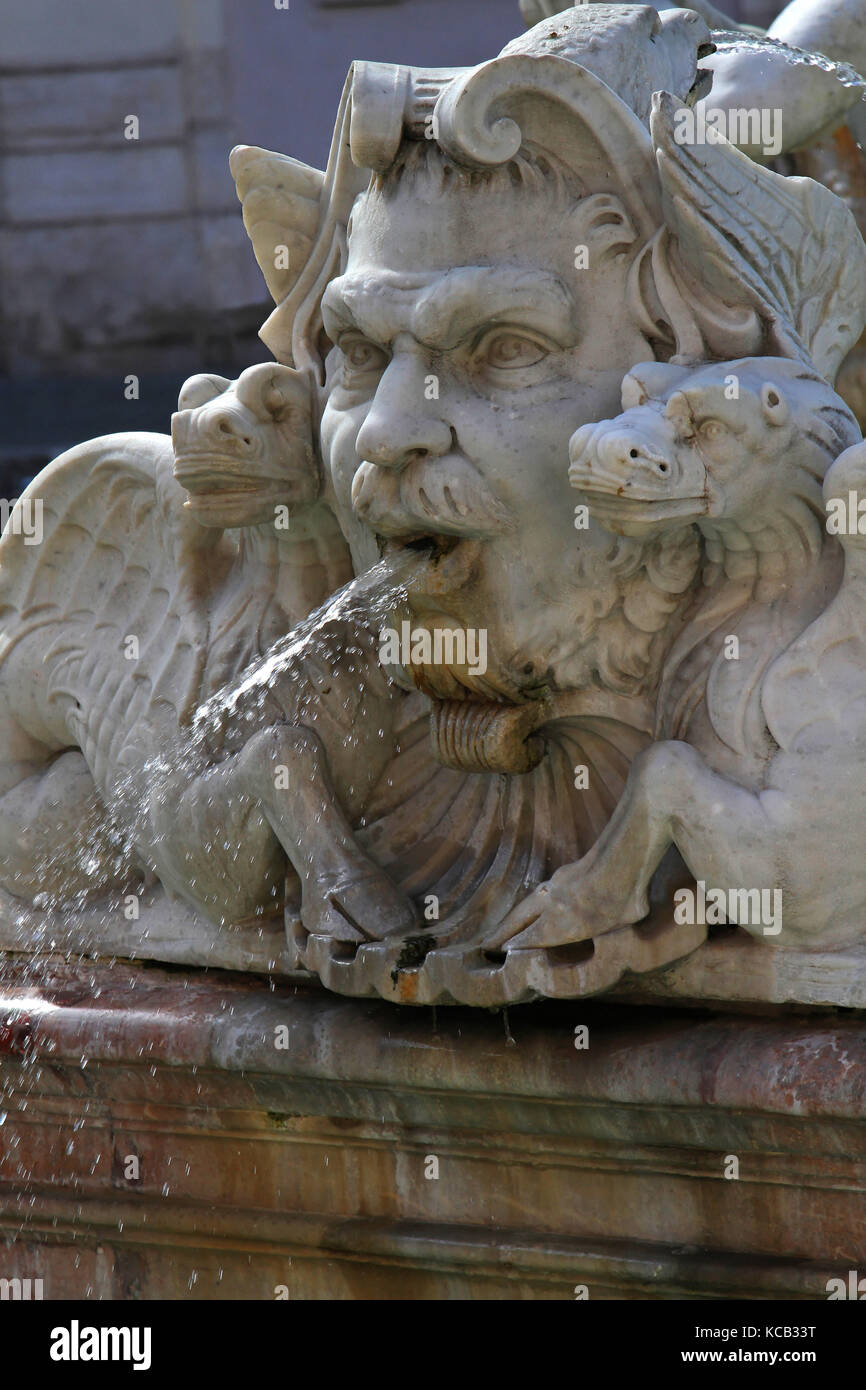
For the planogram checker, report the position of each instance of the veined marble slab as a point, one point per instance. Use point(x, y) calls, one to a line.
point(284, 1144)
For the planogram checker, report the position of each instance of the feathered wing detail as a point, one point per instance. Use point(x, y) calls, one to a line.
point(787, 247)
point(120, 559)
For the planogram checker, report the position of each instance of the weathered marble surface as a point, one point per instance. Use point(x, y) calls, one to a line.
point(494, 263)
point(305, 1167)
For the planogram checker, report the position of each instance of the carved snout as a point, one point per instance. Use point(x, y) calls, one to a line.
point(236, 420)
point(228, 431)
point(616, 459)
point(243, 447)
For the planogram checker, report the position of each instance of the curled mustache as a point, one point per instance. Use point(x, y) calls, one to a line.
point(445, 496)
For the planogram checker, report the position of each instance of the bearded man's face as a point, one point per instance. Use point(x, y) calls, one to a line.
point(469, 347)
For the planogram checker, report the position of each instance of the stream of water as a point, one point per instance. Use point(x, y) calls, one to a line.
point(735, 41)
point(365, 602)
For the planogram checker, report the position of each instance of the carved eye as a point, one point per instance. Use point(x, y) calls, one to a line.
point(712, 430)
point(508, 351)
point(360, 356)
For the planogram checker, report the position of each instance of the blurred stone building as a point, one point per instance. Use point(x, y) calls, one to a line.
point(119, 252)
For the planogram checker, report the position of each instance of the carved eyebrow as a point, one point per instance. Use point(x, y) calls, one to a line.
point(469, 297)
point(378, 306)
point(441, 310)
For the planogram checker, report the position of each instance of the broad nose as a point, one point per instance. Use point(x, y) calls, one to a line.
point(402, 423)
point(232, 430)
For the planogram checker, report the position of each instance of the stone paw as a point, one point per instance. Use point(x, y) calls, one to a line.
point(364, 906)
point(562, 911)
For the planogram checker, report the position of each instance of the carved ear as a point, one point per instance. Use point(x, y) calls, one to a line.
point(289, 207)
point(773, 404)
point(280, 198)
point(650, 381)
point(679, 412)
point(285, 391)
point(276, 401)
point(198, 390)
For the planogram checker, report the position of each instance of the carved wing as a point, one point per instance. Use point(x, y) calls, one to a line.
point(118, 559)
point(786, 246)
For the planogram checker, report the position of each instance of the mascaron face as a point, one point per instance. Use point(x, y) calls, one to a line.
point(468, 350)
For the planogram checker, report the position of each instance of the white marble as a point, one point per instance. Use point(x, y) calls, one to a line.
point(664, 693)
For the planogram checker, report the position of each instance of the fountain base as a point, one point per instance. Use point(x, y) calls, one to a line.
point(201, 1135)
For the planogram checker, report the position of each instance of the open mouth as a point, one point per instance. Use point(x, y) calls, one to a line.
point(635, 516)
point(637, 507)
point(702, 85)
point(435, 547)
point(218, 486)
point(202, 473)
point(203, 476)
point(443, 564)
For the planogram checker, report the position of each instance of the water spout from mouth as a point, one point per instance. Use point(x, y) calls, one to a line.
point(428, 545)
point(366, 601)
point(737, 41)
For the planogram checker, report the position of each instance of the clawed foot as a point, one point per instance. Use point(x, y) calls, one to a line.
point(362, 906)
point(564, 910)
point(344, 894)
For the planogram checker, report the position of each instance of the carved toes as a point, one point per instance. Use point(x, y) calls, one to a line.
point(564, 910)
point(365, 906)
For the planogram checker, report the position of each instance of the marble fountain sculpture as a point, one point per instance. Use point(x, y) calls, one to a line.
point(502, 638)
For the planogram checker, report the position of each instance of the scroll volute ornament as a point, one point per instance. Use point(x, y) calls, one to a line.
point(485, 116)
